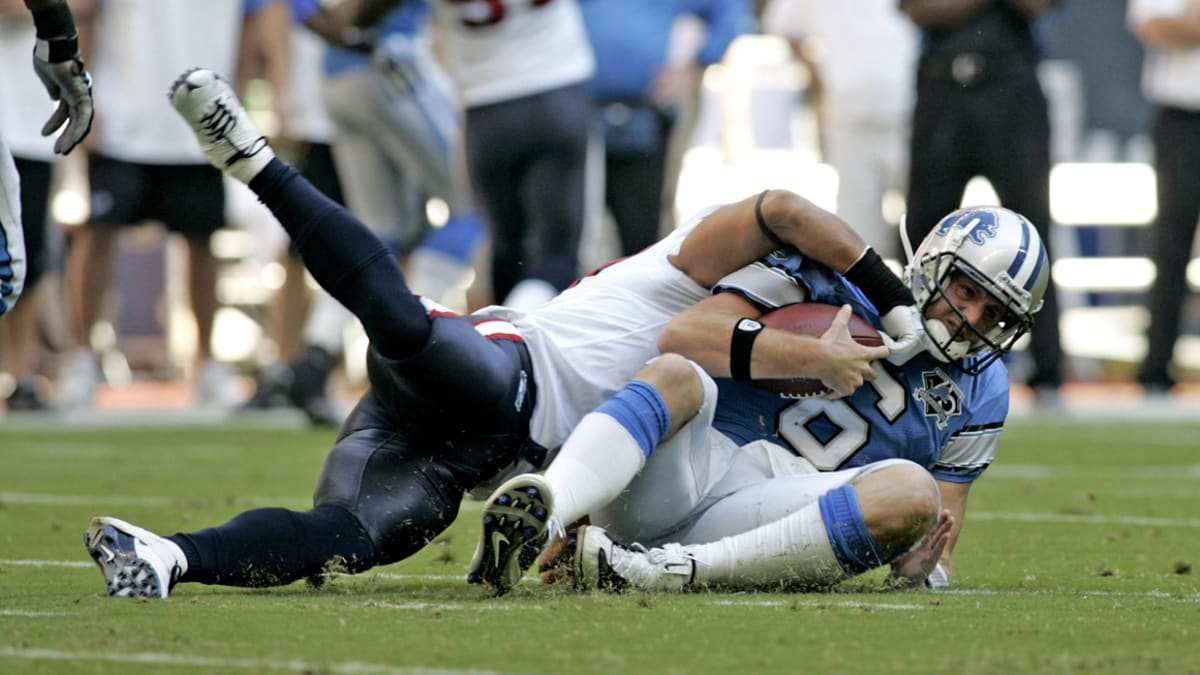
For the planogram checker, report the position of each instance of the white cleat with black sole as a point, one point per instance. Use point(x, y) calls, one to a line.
point(210, 106)
point(135, 562)
point(603, 563)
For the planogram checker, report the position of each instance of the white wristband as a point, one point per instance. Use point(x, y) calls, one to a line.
point(937, 579)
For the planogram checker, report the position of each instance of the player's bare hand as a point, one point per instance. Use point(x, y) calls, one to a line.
point(554, 563)
point(847, 364)
point(915, 566)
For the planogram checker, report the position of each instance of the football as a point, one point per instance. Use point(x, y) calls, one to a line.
point(812, 318)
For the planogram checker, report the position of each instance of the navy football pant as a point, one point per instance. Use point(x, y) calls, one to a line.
point(447, 408)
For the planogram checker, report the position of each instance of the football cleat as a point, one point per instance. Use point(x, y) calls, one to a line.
point(515, 529)
point(135, 562)
point(211, 108)
point(606, 564)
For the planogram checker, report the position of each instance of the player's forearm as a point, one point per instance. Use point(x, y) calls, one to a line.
point(815, 232)
point(704, 334)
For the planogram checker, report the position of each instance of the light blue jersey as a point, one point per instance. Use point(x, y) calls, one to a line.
point(926, 411)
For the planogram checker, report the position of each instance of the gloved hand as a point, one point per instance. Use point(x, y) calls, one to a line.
point(68, 82)
point(904, 333)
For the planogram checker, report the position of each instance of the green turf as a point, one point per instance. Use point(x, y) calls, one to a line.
point(1079, 555)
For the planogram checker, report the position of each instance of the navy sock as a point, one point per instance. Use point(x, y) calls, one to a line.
point(347, 260)
point(274, 546)
point(853, 545)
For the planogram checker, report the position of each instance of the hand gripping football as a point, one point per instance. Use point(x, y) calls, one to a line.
point(812, 318)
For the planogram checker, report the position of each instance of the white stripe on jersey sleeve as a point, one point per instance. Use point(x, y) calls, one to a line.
point(970, 451)
point(767, 286)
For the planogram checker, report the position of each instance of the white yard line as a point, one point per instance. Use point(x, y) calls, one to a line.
point(41, 499)
point(44, 499)
point(159, 658)
point(45, 563)
point(817, 602)
point(1150, 521)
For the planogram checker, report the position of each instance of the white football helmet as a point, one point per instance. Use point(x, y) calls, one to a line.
point(996, 248)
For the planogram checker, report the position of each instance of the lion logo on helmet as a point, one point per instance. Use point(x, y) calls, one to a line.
point(977, 229)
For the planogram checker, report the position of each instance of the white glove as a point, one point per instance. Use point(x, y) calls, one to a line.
point(904, 333)
point(69, 83)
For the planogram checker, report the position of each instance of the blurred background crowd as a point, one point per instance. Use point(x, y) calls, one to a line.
point(501, 174)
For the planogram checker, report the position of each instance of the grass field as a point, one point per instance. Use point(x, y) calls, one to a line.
point(1079, 555)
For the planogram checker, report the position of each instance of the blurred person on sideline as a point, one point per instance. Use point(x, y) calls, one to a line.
point(396, 141)
point(1170, 31)
point(23, 110)
point(143, 165)
point(521, 69)
point(305, 137)
point(456, 402)
point(980, 111)
point(861, 58)
point(59, 66)
point(638, 94)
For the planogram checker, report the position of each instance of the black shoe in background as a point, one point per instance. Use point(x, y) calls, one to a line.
point(307, 389)
point(24, 398)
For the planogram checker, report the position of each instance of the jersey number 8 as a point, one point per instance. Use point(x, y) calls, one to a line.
point(853, 428)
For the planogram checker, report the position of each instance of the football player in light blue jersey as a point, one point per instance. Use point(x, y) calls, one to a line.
point(760, 488)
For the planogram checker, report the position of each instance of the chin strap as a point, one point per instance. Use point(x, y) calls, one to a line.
point(904, 241)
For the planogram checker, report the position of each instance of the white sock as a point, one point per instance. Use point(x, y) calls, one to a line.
point(247, 168)
point(593, 467)
point(794, 548)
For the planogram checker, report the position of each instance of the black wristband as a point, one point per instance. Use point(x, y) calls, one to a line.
point(54, 23)
point(744, 334)
point(876, 280)
point(762, 223)
point(57, 50)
